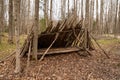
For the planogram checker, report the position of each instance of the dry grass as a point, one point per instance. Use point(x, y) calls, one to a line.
point(6, 48)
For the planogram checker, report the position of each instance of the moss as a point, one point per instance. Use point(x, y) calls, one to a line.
point(107, 42)
point(6, 48)
point(42, 25)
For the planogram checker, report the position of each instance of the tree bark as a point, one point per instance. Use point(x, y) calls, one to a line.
point(46, 12)
point(17, 32)
point(63, 6)
point(115, 23)
point(86, 22)
point(91, 21)
point(35, 39)
point(82, 10)
point(10, 40)
point(1, 18)
point(28, 21)
point(97, 17)
point(68, 8)
point(51, 9)
point(119, 20)
point(101, 16)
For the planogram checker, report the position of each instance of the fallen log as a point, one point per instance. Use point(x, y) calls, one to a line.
point(59, 50)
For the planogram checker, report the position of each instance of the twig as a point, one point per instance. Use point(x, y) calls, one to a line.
point(28, 60)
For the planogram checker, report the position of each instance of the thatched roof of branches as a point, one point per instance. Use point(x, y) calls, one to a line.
point(66, 33)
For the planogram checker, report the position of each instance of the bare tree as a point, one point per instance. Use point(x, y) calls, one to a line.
point(35, 39)
point(28, 21)
point(51, 9)
point(10, 40)
point(86, 21)
point(101, 16)
point(17, 32)
point(68, 8)
point(63, 6)
point(119, 20)
point(82, 9)
point(115, 23)
point(91, 15)
point(46, 12)
point(1, 18)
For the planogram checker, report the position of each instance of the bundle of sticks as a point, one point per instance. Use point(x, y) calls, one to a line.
point(66, 33)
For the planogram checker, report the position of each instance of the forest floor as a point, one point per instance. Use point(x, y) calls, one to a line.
point(70, 66)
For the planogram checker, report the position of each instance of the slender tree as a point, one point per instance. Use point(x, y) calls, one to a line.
point(51, 9)
point(10, 21)
point(28, 21)
point(63, 6)
point(119, 20)
point(115, 23)
point(46, 12)
point(35, 39)
point(86, 21)
point(82, 9)
point(97, 17)
point(1, 18)
point(17, 32)
point(91, 15)
point(101, 15)
point(68, 8)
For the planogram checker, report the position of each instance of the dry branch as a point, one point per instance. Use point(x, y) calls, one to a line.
point(100, 46)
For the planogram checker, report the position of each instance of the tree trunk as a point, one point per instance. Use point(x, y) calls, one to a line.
point(63, 6)
point(86, 22)
point(51, 9)
point(82, 9)
point(1, 18)
point(28, 21)
point(91, 21)
point(115, 23)
point(119, 20)
point(10, 40)
point(35, 39)
point(97, 18)
point(68, 8)
point(17, 32)
point(45, 12)
point(101, 16)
